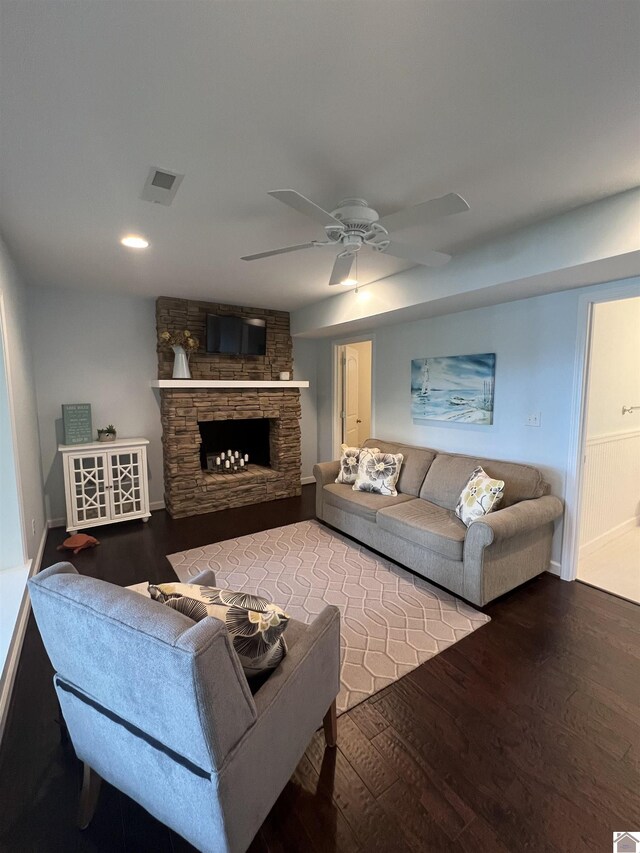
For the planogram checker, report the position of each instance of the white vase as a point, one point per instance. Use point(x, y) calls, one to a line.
point(180, 364)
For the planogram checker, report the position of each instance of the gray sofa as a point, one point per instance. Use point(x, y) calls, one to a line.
point(420, 530)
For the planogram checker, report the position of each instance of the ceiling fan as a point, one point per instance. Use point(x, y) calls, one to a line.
point(353, 224)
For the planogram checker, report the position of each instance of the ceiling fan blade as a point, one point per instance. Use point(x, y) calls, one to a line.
point(341, 269)
point(304, 205)
point(417, 254)
point(277, 252)
point(428, 211)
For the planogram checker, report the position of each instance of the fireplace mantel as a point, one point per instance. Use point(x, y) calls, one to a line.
point(187, 384)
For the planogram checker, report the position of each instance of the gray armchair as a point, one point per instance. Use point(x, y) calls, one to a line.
point(159, 706)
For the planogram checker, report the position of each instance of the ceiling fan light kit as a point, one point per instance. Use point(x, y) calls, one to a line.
point(353, 224)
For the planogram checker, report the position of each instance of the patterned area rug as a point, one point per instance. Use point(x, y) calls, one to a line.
point(392, 621)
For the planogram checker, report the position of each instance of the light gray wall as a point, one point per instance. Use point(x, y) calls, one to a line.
point(97, 348)
point(20, 367)
point(305, 359)
point(11, 525)
point(534, 341)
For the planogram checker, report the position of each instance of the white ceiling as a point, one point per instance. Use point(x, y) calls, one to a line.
point(525, 107)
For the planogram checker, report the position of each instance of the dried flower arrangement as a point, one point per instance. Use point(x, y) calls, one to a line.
point(182, 338)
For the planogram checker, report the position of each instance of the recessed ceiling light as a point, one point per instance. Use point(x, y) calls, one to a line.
point(133, 241)
point(350, 282)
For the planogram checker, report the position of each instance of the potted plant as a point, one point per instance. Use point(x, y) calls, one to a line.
point(107, 434)
point(183, 344)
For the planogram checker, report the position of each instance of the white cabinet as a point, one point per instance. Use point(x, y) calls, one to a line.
point(105, 482)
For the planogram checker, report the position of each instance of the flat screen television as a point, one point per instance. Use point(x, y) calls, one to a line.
point(236, 335)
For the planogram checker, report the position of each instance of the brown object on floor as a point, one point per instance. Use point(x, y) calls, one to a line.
point(78, 542)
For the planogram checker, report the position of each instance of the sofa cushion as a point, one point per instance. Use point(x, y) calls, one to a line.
point(417, 461)
point(364, 504)
point(426, 524)
point(449, 474)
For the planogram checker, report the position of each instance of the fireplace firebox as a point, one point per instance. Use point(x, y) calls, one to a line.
point(247, 435)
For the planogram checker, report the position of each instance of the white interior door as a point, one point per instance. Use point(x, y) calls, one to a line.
point(351, 397)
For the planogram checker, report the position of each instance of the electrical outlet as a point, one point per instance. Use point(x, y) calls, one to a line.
point(533, 419)
point(33, 527)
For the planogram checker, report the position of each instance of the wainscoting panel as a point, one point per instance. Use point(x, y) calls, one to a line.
point(610, 488)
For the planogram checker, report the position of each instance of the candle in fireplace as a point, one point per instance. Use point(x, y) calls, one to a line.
point(246, 458)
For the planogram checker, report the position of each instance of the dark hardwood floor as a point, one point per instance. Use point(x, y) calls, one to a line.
point(525, 735)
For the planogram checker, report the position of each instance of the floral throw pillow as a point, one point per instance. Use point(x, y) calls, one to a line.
point(349, 461)
point(378, 472)
point(255, 625)
point(480, 496)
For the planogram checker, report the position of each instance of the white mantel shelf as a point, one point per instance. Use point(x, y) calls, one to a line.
point(228, 383)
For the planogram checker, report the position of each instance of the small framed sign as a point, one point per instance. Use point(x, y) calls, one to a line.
point(76, 419)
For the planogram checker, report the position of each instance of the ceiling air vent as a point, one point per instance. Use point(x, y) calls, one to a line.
point(161, 186)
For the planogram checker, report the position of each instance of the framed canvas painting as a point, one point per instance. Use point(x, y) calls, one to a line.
point(454, 388)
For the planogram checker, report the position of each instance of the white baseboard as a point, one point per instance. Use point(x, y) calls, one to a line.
point(156, 505)
point(304, 481)
point(608, 536)
point(13, 655)
point(555, 568)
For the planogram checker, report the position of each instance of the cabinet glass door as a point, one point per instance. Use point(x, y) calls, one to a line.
point(88, 481)
point(126, 482)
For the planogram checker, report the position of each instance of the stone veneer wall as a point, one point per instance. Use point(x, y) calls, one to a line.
point(175, 314)
point(188, 489)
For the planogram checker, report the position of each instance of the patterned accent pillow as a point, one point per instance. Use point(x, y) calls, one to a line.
point(255, 625)
point(349, 461)
point(378, 472)
point(480, 496)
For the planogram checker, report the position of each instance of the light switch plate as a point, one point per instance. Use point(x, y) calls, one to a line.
point(533, 419)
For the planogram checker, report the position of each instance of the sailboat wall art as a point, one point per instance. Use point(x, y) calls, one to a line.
point(456, 388)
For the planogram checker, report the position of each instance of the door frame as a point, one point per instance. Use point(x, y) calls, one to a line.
point(611, 292)
point(336, 387)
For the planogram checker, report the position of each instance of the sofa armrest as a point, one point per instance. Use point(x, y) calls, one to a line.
point(326, 472)
point(291, 706)
point(513, 521)
point(310, 668)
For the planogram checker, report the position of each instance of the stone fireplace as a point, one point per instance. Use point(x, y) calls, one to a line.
point(263, 420)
